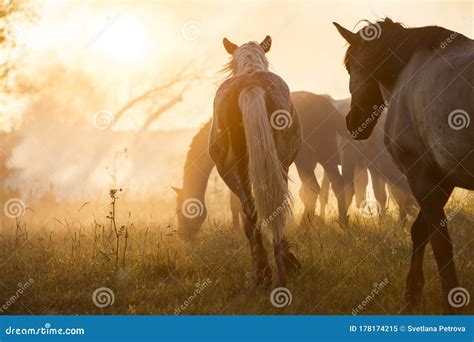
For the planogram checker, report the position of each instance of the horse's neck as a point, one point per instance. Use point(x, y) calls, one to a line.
point(409, 42)
point(196, 176)
point(198, 165)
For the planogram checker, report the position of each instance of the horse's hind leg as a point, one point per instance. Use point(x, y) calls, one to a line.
point(378, 184)
point(259, 255)
point(309, 189)
point(406, 203)
point(254, 235)
point(285, 260)
point(361, 180)
point(324, 196)
point(348, 167)
point(330, 167)
point(401, 199)
point(236, 210)
point(249, 218)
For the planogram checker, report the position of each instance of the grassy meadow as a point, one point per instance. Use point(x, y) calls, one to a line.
point(59, 254)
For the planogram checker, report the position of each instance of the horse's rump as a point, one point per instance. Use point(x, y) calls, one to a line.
point(244, 106)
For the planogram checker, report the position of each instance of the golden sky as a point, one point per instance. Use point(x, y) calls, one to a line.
point(127, 46)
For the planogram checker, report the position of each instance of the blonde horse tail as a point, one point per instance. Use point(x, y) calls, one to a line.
point(266, 175)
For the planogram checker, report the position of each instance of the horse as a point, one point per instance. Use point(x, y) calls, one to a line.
point(255, 137)
point(371, 156)
point(357, 161)
point(197, 170)
point(322, 130)
point(425, 75)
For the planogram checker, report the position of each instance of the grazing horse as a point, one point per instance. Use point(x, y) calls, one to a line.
point(255, 136)
point(426, 74)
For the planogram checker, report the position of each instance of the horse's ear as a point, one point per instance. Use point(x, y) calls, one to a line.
point(266, 44)
point(177, 190)
point(351, 37)
point(229, 46)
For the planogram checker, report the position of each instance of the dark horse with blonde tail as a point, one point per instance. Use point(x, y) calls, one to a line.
point(255, 136)
point(428, 85)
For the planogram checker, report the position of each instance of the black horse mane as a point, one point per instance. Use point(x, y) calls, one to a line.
point(386, 55)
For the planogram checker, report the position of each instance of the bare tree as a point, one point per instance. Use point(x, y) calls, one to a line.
point(178, 85)
point(12, 14)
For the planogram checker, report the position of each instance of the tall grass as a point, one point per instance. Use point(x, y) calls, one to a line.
point(137, 253)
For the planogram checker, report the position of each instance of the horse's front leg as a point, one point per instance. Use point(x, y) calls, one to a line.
point(442, 247)
point(432, 193)
point(236, 210)
point(415, 278)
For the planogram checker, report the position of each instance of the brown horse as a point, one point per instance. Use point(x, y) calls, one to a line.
point(255, 137)
point(428, 84)
point(314, 111)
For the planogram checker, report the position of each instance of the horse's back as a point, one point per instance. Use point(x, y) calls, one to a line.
point(431, 109)
point(277, 93)
point(228, 116)
point(320, 119)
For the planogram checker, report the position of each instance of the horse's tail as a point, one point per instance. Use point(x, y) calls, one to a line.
point(266, 175)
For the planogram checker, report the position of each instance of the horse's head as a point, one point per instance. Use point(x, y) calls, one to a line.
point(248, 57)
point(367, 62)
point(191, 213)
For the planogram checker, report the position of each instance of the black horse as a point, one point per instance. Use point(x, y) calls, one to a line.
point(428, 86)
